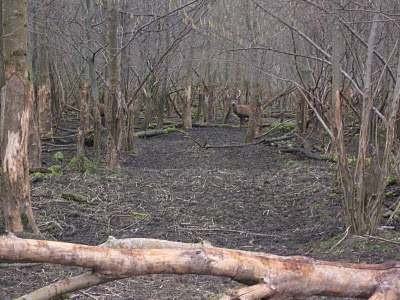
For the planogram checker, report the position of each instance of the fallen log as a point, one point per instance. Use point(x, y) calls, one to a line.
point(307, 153)
point(272, 276)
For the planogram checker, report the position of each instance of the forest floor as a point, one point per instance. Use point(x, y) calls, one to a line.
point(253, 198)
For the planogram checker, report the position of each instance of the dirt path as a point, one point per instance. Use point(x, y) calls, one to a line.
point(252, 198)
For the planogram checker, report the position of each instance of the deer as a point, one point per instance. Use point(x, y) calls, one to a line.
point(242, 111)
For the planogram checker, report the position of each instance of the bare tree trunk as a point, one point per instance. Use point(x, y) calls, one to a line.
point(130, 127)
point(200, 107)
point(149, 104)
point(83, 124)
point(15, 186)
point(94, 87)
point(301, 113)
point(116, 121)
point(336, 73)
point(44, 101)
point(163, 95)
point(2, 78)
point(84, 104)
point(187, 99)
point(187, 105)
point(254, 126)
point(34, 148)
point(209, 102)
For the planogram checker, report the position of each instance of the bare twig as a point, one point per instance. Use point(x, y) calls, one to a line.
point(346, 234)
point(382, 239)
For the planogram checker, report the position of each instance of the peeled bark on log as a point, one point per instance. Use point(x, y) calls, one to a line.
point(276, 277)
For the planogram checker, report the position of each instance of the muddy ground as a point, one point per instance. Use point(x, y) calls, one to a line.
point(254, 198)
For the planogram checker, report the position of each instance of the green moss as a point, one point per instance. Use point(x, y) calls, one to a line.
point(173, 129)
point(38, 175)
point(138, 214)
point(283, 128)
point(58, 156)
point(391, 180)
point(292, 164)
point(81, 165)
point(75, 197)
point(333, 157)
point(89, 139)
point(391, 194)
point(55, 169)
point(351, 160)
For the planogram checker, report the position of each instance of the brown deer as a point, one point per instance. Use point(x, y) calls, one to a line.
point(242, 111)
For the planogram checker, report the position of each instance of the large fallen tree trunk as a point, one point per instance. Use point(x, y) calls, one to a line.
point(271, 276)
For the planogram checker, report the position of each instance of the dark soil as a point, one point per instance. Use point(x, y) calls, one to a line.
point(253, 198)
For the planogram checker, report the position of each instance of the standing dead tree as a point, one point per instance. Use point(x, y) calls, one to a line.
point(272, 276)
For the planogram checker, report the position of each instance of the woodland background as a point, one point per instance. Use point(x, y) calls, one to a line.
point(97, 75)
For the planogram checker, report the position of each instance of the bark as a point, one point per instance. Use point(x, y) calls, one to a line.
point(34, 149)
point(44, 91)
point(272, 276)
point(209, 102)
point(83, 125)
point(15, 186)
point(200, 107)
point(130, 128)
point(208, 89)
point(149, 104)
point(162, 101)
point(255, 123)
point(90, 57)
point(84, 104)
point(336, 74)
point(254, 126)
point(2, 77)
point(301, 113)
point(187, 105)
point(2, 112)
point(187, 99)
point(117, 115)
